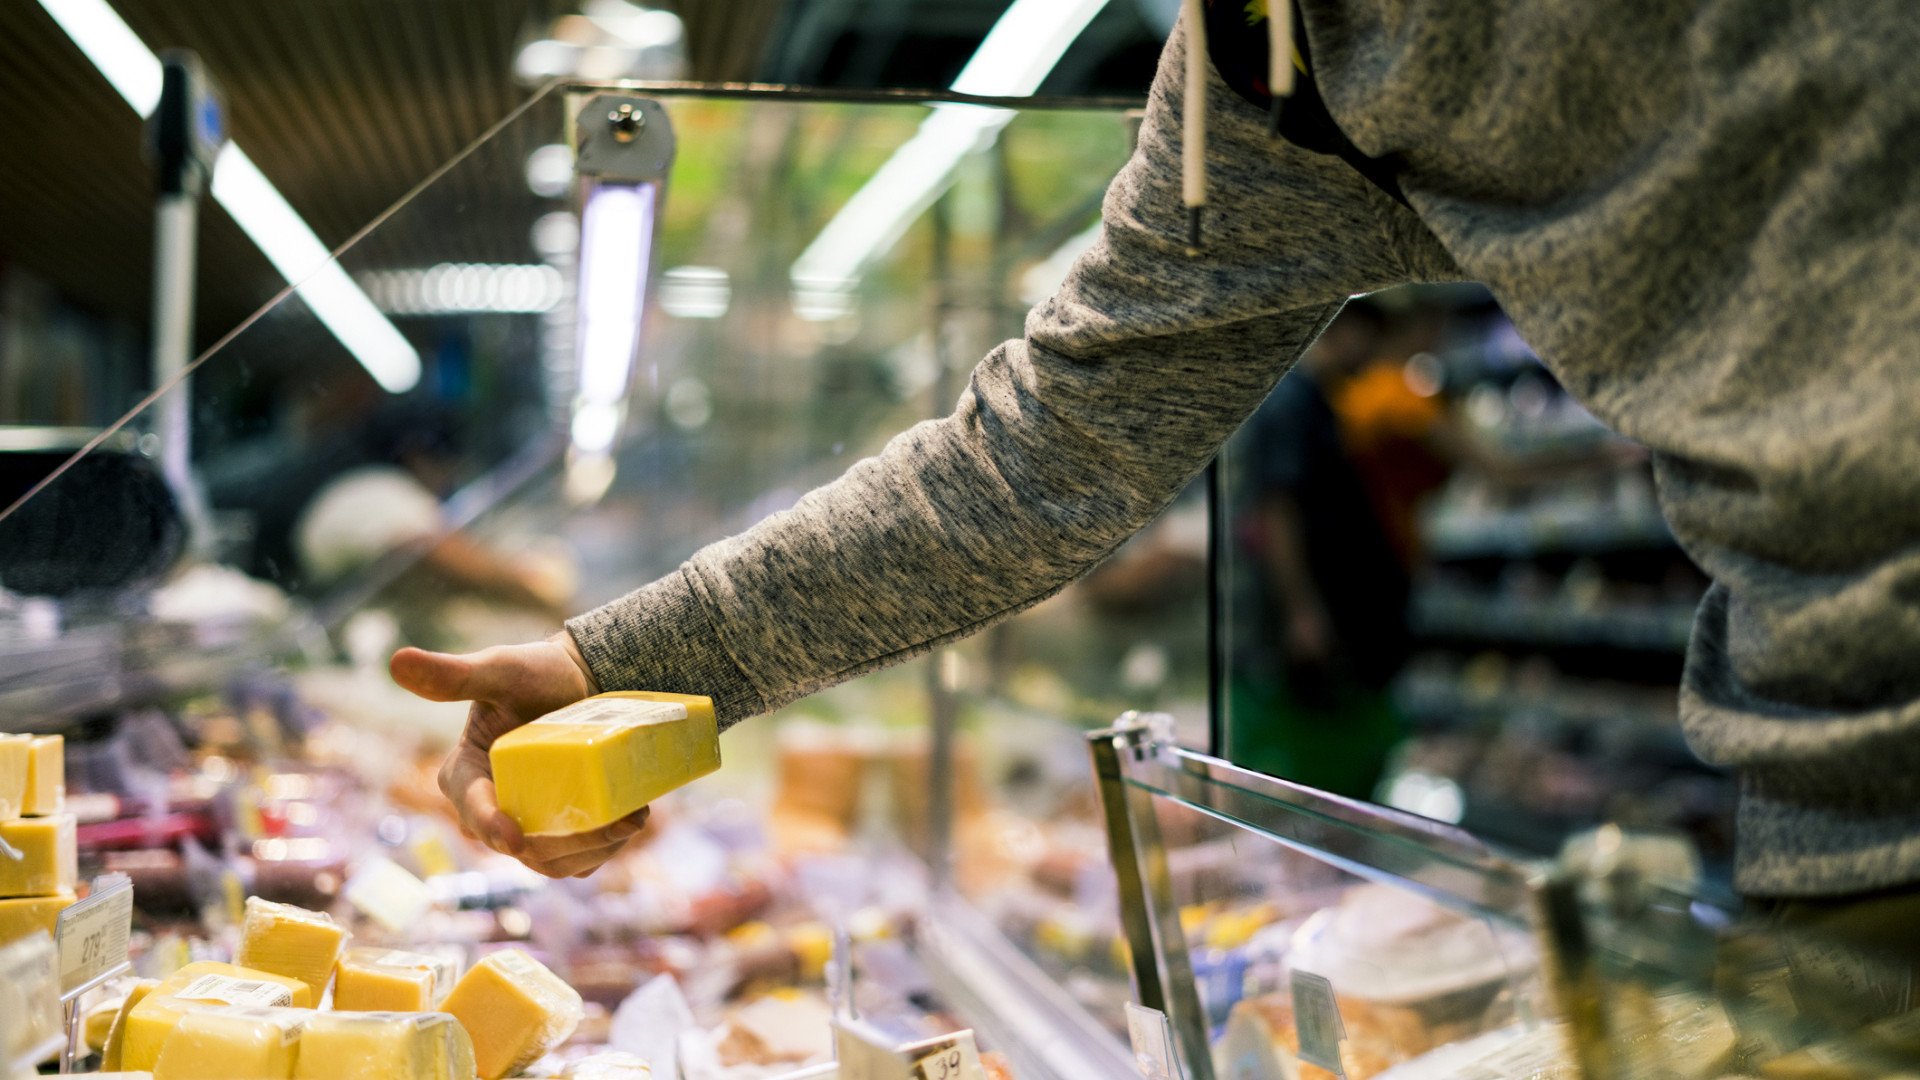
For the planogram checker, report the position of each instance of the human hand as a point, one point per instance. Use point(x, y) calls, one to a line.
point(509, 686)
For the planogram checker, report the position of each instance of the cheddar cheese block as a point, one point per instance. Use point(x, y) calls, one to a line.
point(23, 915)
point(192, 989)
point(51, 861)
point(515, 1010)
point(291, 941)
point(221, 1043)
point(389, 1045)
point(13, 774)
point(46, 776)
point(117, 1034)
point(389, 980)
point(596, 761)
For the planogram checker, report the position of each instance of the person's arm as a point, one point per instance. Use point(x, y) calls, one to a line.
point(1065, 442)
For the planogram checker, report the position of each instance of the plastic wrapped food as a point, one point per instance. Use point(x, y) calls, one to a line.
point(390, 1045)
point(300, 944)
point(597, 761)
point(515, 1010)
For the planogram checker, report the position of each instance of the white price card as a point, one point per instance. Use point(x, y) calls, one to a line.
point(1317, 1023)
point(1152, 1039)
point(866, 1053)
point(92, 935)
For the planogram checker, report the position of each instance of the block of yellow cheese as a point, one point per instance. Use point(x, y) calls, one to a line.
point(596, 761)
point(51, 860)
point(389, 1045)
point(515, 1010)
point(291, 941)
point(224, 1043)
point(23, 915)
point(13, 774)
point(117, 1034)
point(388, 980)
point(192, 989)
point(46, 776)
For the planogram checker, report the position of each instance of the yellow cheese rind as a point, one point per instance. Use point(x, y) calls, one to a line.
point(291, 941)
point(515, 1010)
point(117, 1034)
point(13, 775)
point(599, 760)
point(399, 1046)
point(23, 915)
point(384, 980)
point(46, 776)
point(52, 858)
point(190, 990)
point(218, 1043)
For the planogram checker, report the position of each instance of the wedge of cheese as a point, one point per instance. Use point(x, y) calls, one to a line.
point(117, 1034)
point(23, 915)
point(389, 980)
point(51, 859)
point(515, 1010)
point(222, 1043)
point(596, 761)
point(46, 776)
point(191, 990)
point(13, 774)
point(388, 1045)
point(291, 941)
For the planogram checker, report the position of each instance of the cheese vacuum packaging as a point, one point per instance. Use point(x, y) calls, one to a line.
point(596, 761)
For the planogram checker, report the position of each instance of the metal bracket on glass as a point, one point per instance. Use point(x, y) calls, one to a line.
point(1157, 947)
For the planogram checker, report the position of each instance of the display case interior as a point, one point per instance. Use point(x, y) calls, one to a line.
point(545, 377)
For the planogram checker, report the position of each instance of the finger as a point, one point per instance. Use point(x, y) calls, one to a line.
point(550, 848)
point(432, 675)
point(467, 781)
point(580, 864)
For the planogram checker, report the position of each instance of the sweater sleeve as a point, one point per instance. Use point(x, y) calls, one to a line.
point(1065, 442)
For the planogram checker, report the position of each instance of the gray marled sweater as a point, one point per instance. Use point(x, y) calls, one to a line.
point(1704, 215)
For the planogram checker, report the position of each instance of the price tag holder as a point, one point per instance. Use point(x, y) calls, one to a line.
point(865, 1053)
point(1317, 1023)
point(92, 935)
point(1152, 1039)
point(90, 946)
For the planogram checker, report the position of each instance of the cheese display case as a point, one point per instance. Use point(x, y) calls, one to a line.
point(625, 322)
point(1284, 932)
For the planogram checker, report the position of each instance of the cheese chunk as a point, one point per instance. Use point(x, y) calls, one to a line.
point(117, 1034)
point(291, 941)
point(389, 980)
point(52, 859)
point(46, 776)
point(515, 1010)
point(220, 1043)
point(13, 774)
point(596, 761)
point(23, 915)
point(191, 990)
point(389, 1045)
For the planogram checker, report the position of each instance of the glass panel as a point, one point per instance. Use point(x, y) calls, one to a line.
point(417, 448)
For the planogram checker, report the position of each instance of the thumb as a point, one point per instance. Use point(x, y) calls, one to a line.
point(434, 676)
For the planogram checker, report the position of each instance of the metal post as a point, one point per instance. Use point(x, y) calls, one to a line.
point(1157, 946)
point(1568, 964)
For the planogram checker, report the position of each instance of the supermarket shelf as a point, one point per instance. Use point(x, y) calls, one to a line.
point(1517, 534)
point(1447, 611)
point(1017, 1006)
point(1614, 719)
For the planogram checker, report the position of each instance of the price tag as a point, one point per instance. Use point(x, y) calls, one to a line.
point(91, 936)
point(949, 1057)
point(865, 1053)
point(1316, 1020)
point(1152, 1039)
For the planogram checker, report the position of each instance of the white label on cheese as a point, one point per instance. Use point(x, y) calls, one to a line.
point(400, 958)
point(231, 991)
point(1316, 1020)
point(618, 712)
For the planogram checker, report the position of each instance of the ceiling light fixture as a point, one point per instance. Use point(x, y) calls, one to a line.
point(1012, 61)
point(252, 201)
